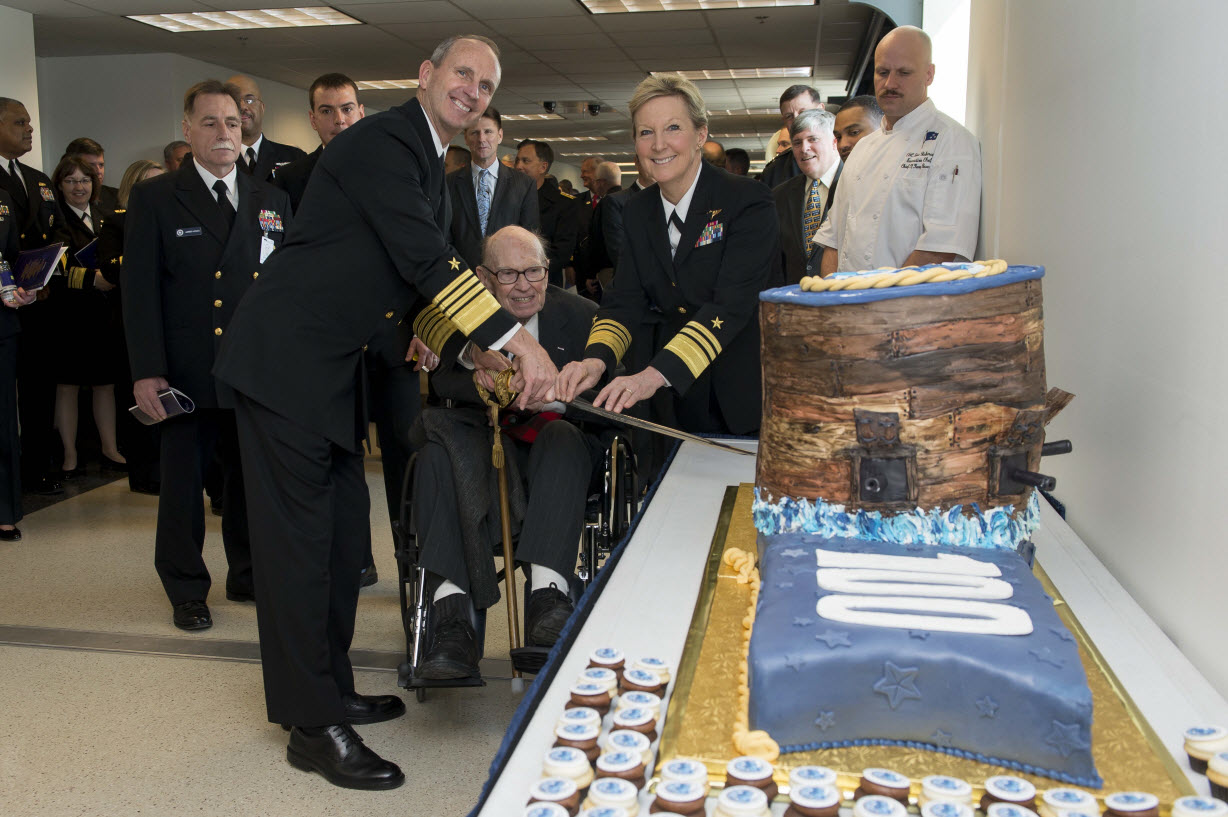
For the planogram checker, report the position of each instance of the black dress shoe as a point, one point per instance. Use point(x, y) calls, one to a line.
point(454, 647)
point(113, 465)
point(215, 506)
point(368, 576)
point(372, 708)
point(45, 486)
point(545, 613)
point(338, 754)
point(240, 595)
point(193, 615)
point(70, 473)
point(13, 535)
point(138, 487)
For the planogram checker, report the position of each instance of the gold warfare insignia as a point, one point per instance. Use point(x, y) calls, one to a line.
point(454, 264)
point(717, 323)
point(713, 213)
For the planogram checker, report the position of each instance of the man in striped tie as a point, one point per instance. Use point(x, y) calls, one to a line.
point(802, 202)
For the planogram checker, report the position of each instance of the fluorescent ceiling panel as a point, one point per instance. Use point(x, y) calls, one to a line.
point(523, 117)
point(741, 73)
point(251, 18)
point(386, 84)
point(563, 139)
point(617, 6)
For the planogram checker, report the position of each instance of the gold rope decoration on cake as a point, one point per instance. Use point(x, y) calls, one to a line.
point(903, 277)
point(758, 743)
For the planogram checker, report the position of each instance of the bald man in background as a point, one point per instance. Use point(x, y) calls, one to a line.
point(910, 193)
point(260, 156)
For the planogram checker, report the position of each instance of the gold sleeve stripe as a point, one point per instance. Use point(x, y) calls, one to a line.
point(611, 333)
point(476, 313)
point(709, 348)
point(696, 326)
point(76, 277)
point(459, 286)
point(434, 328)
point(466, 302)
point(615, 327)
point(689, 353)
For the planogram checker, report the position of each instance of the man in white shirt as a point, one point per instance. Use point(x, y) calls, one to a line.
point(911, 192)
point(803, 201)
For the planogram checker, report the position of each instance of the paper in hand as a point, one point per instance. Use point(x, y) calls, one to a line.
point(174, 403)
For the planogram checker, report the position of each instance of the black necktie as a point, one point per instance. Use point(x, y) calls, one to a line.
point(223, 201)
point(677, 223)
point(249, 167)
point(19, 194)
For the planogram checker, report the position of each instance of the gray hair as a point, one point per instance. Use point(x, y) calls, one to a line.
point(816, 120)
point(609, 171)
point(441, 51)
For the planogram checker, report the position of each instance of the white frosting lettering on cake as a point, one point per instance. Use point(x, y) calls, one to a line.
point(944, 594)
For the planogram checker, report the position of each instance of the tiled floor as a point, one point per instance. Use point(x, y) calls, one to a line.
point(108, 709)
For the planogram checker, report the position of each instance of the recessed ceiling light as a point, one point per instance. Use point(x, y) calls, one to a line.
point(564, 139)
point(741, 73)
point(387, 84)
point(739, 135)
point(616, 6)
point(251, 18)
point(607, 154)
point(524, 117)
point(746, 112)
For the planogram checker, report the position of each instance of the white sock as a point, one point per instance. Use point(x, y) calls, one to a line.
point(542, 577)
point(448, 588)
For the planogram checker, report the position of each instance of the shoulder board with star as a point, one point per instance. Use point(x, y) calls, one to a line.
point(566, 195)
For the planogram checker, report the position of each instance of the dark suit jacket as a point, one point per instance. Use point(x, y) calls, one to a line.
point(9, 248)
point(108, 197)
point(610, 216)
point(514, 202)
point(38, 218)
point(184, 274)
point(702, 306)
point(789, 207)
point(596, 256)
point(271, 155)
point(368, 241)
point(293, 177)
point(559, 226)
point(780, 170)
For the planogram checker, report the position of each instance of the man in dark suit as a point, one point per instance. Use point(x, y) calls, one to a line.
point(794, 100)
point(37, 216)
point(486, 196)
point(594, 267)
point(803, 201)
point(559, 215)
point(554, 458)
point(332, 106)
point(259, 156)
point(368, 245)
point(10, 327)
point(174, 153)
point(611, 215)
point(95, 157)
point(193, 242)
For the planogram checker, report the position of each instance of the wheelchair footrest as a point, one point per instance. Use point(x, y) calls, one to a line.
point(529, 659)
point(407, 680)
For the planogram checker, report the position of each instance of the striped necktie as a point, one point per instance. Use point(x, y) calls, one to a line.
point(812, 216)
point(483, 199)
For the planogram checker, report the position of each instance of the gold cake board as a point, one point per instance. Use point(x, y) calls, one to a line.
point(700, 718)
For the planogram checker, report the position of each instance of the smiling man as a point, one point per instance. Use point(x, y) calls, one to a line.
point(803, 201)
point(260, 156)
point(368, 249)
point(911, 192)
point(332, 106)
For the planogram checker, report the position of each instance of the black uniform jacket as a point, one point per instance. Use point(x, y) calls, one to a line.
point(73, 232)
point(780, 169)
point(368, 239)
point(293, 177)
point(183, 274)
point(790, 201)
point(703, 304)
point(514, 202)
point(9, 324)
point(39, 218)
point(610, 216)
point(559, 226)
point(271, 156)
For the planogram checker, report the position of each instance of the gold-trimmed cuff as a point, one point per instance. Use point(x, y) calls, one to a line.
point(76, 277)
point(434, 328)
point(611, 333)
point(466, 302)
point(695, 346)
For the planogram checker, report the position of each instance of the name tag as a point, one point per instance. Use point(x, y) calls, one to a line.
point(266, 247)
point(184, 232)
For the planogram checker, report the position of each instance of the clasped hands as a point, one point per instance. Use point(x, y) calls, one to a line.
point(575, 378)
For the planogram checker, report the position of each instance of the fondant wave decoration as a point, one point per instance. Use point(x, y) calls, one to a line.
point(961, 526)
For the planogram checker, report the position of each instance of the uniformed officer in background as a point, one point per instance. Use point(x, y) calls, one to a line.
point(559, 211)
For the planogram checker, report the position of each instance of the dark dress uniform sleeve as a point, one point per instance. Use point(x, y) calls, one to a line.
point(142, 287)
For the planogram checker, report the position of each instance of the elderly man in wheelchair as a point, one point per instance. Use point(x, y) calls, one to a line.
point(550, 455)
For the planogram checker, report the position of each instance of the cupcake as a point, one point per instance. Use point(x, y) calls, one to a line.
point(1060, 802)
point(1199, 807)
point(1131, 804)
point(811, 776)
point(641, 700)
point(546, 810)
point(611, 791)
point(600, 675)
point(812, 800)
point(941, 788)
point(878, 805)
point(624, 740)
point(1203, 741)
point(604, 811)
point(1217, 775)
point(568, 762)
point(627, 766)
point(679, 797)
point(751, 771)
point(582, 736)
point(1006, 789)
point(594, 696)
point(558, 790)
point(654, 665)
point(641, 680)
point(608, 658)
point(580, 714)
point(883, 782)
point(741, 801)
point(636, 720)
point(684, 770)
point(1008, 810)
point(945, 808)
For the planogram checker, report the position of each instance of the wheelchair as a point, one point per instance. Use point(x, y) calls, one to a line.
point(614, 499)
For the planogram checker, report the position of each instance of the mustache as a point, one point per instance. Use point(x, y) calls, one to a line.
point(226, 145)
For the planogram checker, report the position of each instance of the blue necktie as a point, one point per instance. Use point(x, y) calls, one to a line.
point(483, 199)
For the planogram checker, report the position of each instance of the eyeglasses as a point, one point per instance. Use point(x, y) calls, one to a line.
point(250, 100)
point(77, 182)
point(507, 275)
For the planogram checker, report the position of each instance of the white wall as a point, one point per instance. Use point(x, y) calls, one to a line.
point(132, 104)
point(18, 79)
point(1102, 130)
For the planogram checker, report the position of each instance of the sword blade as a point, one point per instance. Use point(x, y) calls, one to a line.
point(655, 428)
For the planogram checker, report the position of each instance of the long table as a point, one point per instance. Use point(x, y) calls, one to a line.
point(646, 608)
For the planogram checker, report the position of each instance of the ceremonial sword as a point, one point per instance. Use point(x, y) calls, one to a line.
point(656, 428)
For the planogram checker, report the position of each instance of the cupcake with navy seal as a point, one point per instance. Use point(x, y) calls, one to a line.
point(945, 808)
point(811, 776)
point(685, 770)
point(624, 740)
point(1203, 741)
point(641, 680)
point(582, 736)
point(879, 805)
point(751, 771)
point(1195, 806)
point(611, 791)
point(742, 801)
point(1008, 810)
point(556, 790)
point(580, 714)
point(812, 800)
point(1217, 775)
point(594, 696)
point(654, 665)
point(636, 720)
point(600, 675)
point(1004, 788)
point(1131, 804)
point(679, 797)
point(568, 762)
point(545, 810)
point(883, 782)
point(942, 788)
point(608, 658)
point(640, 700)
point(604, 811)
point(627, 766)
point(1063, 802)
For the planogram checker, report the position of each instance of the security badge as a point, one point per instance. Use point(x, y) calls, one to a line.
point(270, 222)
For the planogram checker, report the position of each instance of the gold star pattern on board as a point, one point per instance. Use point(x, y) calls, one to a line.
point(717, 323)
point(454, 264)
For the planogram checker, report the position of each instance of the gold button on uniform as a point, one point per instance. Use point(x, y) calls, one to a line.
point(389, 315)
point(255, 275)
point(217, 274)
point(217, 331)
point(682, 309)
point(364, 347)
point(217, 303)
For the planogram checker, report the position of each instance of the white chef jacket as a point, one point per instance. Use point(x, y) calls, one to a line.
point(916, 186)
